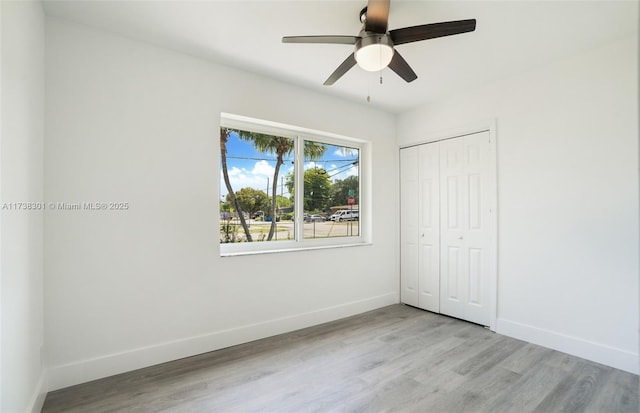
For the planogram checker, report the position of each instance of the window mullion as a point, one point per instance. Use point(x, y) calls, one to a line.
point(299, 188)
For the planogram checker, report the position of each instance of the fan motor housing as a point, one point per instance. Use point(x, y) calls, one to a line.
point(369, 38)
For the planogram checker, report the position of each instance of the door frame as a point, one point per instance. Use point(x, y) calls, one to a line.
point(483, 126)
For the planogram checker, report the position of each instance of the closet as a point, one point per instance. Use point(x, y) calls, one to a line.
point(447, 254)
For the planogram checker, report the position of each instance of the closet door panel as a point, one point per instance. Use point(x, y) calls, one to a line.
point(452, 257)
point(478, 233)
point(409, 228)
point(429, 222)
point(464, 231)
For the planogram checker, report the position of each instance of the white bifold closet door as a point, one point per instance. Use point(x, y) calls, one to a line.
point(445, 234)
point(420, 226)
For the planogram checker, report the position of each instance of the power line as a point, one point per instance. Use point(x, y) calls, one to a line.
point(338, 171)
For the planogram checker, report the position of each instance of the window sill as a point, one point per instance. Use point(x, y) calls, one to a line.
point(292, 249)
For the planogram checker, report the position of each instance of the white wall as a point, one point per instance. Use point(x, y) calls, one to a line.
point(135, 123)
point(23, 378)
point(567, 138)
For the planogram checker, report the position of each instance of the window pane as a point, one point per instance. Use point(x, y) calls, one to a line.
point(255, 203)
point(331, 191)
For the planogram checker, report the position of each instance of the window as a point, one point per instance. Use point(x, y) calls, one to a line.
point(270, 201)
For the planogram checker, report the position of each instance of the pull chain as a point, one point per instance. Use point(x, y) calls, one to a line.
point(369, 88)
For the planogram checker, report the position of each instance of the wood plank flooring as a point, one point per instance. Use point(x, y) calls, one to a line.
point(395, 359)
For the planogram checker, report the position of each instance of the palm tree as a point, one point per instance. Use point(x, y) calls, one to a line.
point(281, 147)
point(224, 137)
point(314, 150)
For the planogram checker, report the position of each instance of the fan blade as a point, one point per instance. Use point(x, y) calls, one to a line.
point(377, 16)
point(341, 70)
point(431, 31)
point(321, 39)
point(402, 68)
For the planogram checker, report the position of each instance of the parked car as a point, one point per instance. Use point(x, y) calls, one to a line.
point(347, 215)
point(315, 218)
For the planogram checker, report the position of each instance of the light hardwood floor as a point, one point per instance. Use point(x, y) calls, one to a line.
point(397, 358)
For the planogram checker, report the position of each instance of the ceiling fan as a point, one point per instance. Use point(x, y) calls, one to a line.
point(374, 45)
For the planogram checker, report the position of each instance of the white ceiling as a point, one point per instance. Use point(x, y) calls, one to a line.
point(511, 37)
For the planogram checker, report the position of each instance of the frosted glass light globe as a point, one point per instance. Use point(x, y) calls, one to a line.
point(374, 57)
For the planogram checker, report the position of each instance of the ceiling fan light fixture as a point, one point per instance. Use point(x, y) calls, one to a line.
point(374, 53)
point(374, 46)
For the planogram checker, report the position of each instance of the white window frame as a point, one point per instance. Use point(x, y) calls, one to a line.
point(300, 135)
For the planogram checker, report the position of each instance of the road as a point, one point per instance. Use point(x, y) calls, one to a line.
point(260, 230)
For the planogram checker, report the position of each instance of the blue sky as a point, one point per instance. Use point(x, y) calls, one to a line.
point(249, 168)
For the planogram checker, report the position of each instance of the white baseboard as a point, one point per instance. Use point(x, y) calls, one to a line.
point(39, 394)
point(91, 369)
point(610, 356)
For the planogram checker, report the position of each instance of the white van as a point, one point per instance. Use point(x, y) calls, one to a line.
point(345, 215)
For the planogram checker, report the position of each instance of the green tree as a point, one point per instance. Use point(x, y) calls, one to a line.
point(284, 202)
point(317, 189)
point(340, 190)
point(289, 182)
point(251, 200)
